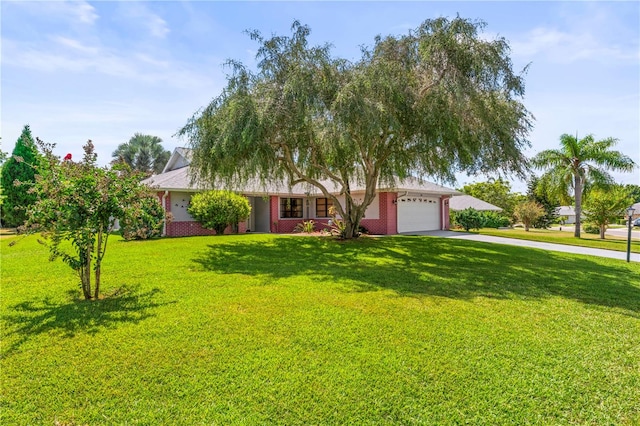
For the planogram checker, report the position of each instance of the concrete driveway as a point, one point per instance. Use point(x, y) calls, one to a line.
point(635, 257)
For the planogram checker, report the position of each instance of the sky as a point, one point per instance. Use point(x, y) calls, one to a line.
point(79, 70)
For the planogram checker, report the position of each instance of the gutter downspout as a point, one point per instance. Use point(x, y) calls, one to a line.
point(164, 207)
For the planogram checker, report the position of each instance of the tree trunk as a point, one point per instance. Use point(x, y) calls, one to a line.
point(526, 226)
point(98, 263)
point(578, 205)
point(603, 229)
point(85, 275)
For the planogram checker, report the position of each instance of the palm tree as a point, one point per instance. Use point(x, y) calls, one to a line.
point(578, 165)
point(143, 153)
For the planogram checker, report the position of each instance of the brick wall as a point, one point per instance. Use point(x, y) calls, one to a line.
point(386, 224)
point(444, 211)
point(190, 228)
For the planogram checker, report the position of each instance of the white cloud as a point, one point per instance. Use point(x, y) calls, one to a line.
point(140, 15)
point(64, 54)
point(566, 47)
point(72, 11)
point(596, 32)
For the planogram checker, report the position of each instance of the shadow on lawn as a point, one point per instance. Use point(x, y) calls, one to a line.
point(28, 319)
point(434, 267)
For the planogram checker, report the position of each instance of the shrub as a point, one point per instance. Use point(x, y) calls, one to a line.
point(337, 226)
point(494, 220)
point(307, 227)
point(469, 219)
point(591, 228)
point(144, 222)
point(218, 209)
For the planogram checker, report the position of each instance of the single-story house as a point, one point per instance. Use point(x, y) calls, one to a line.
point(410, 206)
point(636, 211)
point(567, 211)
point(462, 202)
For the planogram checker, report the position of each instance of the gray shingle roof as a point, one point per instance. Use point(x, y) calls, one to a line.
point(461, 202)
point(179, 180)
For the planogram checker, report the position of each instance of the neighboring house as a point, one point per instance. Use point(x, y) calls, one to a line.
point(567, 211)
point(636, 211)
point(407, 207)
point(462, 202)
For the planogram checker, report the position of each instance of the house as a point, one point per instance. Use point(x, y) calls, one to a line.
point(636, 212)
point(407, 207)
point(462, 202)
point(567, 211)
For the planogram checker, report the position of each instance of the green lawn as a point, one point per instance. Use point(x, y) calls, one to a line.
point(261, 329)
point(562, 237)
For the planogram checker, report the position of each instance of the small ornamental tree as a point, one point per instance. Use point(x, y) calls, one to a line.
point(19, 168)
point(80, 202)
point(528, 212)
point(605, 206)
point(469, 218)
point(218, 209)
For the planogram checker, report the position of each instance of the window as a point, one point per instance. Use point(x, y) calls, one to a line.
point(290, 207)
point(322, 207)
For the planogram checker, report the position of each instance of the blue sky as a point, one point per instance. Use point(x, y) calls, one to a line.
point(105, 70)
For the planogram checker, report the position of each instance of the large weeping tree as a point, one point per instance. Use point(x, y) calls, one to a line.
point(431, 103)
point(578, 165)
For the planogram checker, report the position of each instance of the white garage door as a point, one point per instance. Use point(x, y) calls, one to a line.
point(418, 214)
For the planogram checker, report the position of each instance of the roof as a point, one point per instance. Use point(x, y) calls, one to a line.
point(181, 157)
point(461, 202)
point(176, 177)
point(180, 180)
point(565, 211)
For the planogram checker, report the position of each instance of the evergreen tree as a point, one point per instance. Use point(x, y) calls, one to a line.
point(536, 193)
point(19, 167)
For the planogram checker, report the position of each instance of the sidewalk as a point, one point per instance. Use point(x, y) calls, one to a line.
point(635, 257)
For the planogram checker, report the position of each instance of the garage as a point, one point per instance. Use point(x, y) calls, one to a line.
point(418, 213)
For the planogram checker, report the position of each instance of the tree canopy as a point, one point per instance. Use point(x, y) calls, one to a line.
point(19, 168)
point(143, 153)
point(436, 101)
point(495, 191)
point(604, 207)
point(578, 165)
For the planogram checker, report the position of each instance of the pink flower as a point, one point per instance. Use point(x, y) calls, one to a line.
point(67, 157)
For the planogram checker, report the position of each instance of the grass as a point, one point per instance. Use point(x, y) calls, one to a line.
point(563, 237)
point(258, 329)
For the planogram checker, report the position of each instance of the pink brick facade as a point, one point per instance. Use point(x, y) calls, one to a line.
point(189, 228)
point(444, 215)
point(386, 224)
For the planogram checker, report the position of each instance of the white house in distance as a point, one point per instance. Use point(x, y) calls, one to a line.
point(411, 206)
point(567, 211)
